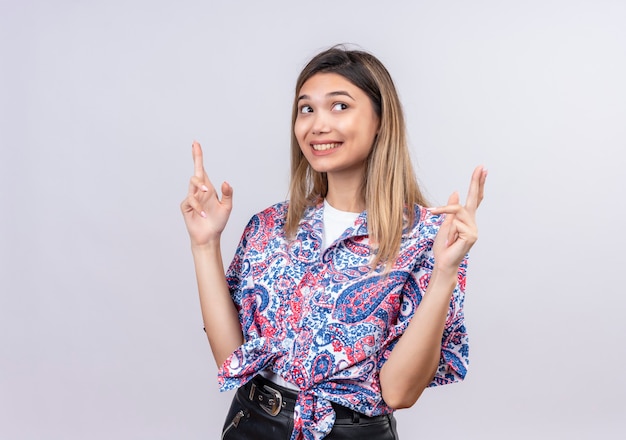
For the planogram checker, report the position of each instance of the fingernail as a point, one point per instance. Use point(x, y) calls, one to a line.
point(204, 188)
point(203, 214)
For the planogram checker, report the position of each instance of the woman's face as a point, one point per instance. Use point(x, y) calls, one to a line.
point(335, 125)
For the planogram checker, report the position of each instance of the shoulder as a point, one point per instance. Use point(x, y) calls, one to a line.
point(263, 229)
point(271, 218)
point(425, 224)
point(275, 211)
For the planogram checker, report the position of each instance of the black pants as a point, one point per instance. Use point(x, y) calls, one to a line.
point(247, 420)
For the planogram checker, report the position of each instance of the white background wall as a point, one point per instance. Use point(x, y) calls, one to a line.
point(100, 329)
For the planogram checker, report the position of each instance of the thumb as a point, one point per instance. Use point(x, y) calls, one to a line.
point(227, 195)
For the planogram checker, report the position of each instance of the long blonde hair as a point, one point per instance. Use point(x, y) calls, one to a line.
point(390, 188)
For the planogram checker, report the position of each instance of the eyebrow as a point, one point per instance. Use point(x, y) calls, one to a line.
point(328, 95)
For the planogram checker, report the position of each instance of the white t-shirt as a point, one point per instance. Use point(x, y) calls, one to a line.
point(335, 223)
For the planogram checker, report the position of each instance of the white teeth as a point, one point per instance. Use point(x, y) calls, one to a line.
point(322, 147)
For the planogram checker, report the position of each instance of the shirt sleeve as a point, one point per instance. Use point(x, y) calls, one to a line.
point(239, 278)
point(234, 275)
point(454, 358)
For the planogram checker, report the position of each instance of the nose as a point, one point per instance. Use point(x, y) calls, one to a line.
point(321, 123)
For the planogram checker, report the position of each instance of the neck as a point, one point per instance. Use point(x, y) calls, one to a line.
point(345, 194)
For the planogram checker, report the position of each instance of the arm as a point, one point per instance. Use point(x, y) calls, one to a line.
point(205, 217)
point(219, 314)
point(413, 361)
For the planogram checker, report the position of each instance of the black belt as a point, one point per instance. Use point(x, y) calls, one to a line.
point(270, 397)
point(274, 399)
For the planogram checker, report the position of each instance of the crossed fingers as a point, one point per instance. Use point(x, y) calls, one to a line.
point(475, 195)
point(460, 220)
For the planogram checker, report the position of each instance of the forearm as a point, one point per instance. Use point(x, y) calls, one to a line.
point(219, 313)
point(415, 357)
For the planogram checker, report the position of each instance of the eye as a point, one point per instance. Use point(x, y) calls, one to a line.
point(340, 106)
point(306, 109)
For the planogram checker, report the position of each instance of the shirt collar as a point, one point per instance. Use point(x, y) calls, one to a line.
point(314, 218)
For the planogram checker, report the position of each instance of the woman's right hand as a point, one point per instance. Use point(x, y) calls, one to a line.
point(204, 213)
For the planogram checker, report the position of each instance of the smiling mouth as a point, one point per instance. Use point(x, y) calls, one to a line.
point(324, 147)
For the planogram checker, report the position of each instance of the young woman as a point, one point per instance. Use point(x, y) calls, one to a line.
point(344, 303)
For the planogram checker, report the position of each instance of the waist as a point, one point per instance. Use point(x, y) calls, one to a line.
point(273, 377)
point(276, 399)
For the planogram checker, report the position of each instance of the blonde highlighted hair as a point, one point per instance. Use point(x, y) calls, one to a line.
point(390, 188)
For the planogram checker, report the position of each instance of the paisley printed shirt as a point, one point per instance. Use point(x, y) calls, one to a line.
point(325, 321)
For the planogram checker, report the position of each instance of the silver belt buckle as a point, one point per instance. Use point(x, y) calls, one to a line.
point(273, 405)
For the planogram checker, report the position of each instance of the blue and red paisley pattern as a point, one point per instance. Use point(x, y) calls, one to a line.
point(325, 321)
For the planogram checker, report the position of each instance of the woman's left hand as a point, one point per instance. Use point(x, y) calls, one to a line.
point(459, 232)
